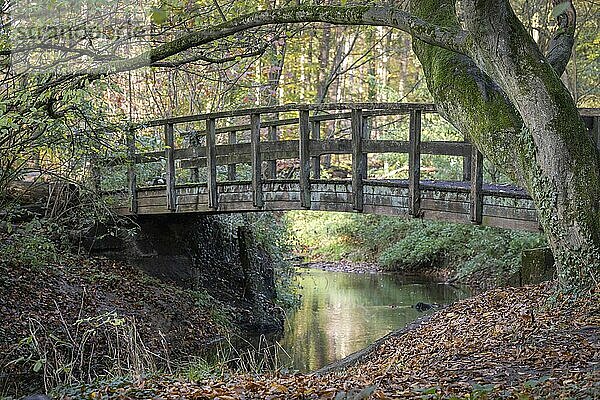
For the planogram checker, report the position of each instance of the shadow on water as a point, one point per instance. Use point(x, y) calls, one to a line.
point(344, 312)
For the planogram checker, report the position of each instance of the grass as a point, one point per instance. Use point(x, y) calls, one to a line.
point(219, 313)
point(236, 355)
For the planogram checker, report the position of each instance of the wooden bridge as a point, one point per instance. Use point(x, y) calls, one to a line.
point(221, 146)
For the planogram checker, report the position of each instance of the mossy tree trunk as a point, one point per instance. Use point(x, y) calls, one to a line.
point(509, 98)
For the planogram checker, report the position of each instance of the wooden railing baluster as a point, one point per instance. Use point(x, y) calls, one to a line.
point(414, 164)
point(273, 135)
point(358, 162)
point(366, 135)
point(231, 168)
point(315, 134)
point(304, 151)
point(257, 195)
point(466, 164)
point(476, 186)
point(170, 160)
point(194, 175)
point(131, 175)
point(195, 171)
point(211, 163)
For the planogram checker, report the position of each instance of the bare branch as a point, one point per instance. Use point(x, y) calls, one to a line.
point(449, 38)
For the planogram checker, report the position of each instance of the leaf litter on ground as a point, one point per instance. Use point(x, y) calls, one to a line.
point(513, 343)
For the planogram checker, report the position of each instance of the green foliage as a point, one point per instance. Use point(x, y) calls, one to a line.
point(271, 232)
point(219, 313)
point(424, 244)
point(322, 235)
point(405, 245)
point(31, 245)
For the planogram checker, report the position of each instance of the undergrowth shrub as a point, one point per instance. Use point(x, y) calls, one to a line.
point(425, 244)
point(408, 245)
point(33, 245)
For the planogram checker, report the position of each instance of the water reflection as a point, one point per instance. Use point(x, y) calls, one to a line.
point(345, 312)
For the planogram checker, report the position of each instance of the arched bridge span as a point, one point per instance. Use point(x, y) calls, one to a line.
point(220, 144)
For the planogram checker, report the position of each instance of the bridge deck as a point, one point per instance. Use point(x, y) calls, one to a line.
point(503, 206)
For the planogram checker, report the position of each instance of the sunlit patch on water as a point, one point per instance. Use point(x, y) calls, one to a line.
point(344, 312)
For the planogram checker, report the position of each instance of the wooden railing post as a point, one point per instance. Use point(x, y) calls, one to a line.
point(273, 136)
point(476, 186)
point(466, 164)
point(211, 163)
point(358, 163)
point(315, 134)
point(257, 198)
point(131, 175)
point(231, 168)
point(95, 176)
point(366, 135)
point(414, 164)
point(170, 159)
point(304, 132)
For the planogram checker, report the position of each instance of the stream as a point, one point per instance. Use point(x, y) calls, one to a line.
point(342, 313)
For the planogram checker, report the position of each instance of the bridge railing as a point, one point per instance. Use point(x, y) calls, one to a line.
point(308, 148)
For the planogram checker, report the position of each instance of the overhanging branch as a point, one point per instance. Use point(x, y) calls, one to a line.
point(210, 60)
point(452, 39)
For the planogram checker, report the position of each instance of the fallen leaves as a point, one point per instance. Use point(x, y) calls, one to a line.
point(506, 343)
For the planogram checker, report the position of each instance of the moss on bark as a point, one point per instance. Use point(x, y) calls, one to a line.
point(549, 154)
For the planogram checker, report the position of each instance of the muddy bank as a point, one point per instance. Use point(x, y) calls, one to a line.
point(344, 266)
point(136, 306)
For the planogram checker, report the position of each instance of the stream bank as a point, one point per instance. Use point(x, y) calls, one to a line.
point(505, 343)
point(483, 258)
point(137, 305)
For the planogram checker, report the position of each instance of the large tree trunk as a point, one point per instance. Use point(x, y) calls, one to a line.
point(512, 103)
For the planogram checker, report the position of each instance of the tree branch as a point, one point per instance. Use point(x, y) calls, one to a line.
point(561, 44)
point(199, 57)
point(452, 39)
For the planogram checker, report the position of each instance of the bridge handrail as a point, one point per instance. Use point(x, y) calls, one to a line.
point(382, 107)
point(309, 147)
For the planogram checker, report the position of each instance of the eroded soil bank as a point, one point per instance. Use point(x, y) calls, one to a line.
point(505, 343)
point(147, 304)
